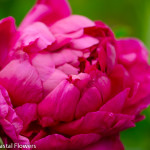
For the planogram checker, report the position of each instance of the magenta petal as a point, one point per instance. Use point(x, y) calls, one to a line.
point(20, 73)
point(47, 121)
point(68, 69)
point(9, 121)
point(43, 63)
point(27, 113)
point(81, 80)
point(53, 80)
point(137, 107)
point(52, 142)
point(61, 40)
point(140, 72)
point(103, 84)
point(8, 36)
point(35, 37)
point(130, 50)
point(98, 122)
point(89, 102)
point(99, 30)
point(82, 140)
point(84, 42)
point(56, 142)
point(71, 24)
point(119, 79)
point(61, 103)
point(108, 143)
point(111, 57)
point(118, 100)
point(46, 11)
point(66, 55)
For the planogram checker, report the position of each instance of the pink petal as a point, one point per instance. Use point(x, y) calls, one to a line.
point(35, 37)
point(4, 103)
point(99, 30)
point(76, 34)
point(47, 121)
point(139, 99)
point(98, 122)
point(111, 57)
point(64, 39)
point(107, 55)
point(61, 102)
point(83, 42)
point(61, 40)
point(66, 55)
point(140, 72)
point(43, 63)
point(136, 107)
point(56, 141)
point(102, 57)
point(131, 50)
point(71, 24)
point(53, 80)
point(22, 81)
point(9, 121)
point(8, 37)
point(68, 69)
point(52, 142)
point(108, 143)
point(120, 79)
point(81, 80)
point(46, 11)
point(103, 84)
point(27, 113)
point(82, 140)
point(118, 100)
point(89, 102)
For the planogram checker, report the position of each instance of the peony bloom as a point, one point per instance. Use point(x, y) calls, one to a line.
point(66, 83)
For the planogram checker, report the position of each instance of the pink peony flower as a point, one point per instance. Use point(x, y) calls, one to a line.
point(66, 83)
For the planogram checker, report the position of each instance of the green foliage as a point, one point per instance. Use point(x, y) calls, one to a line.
point(138, 138)
point(1, 143)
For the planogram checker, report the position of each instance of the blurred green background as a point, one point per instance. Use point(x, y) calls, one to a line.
point(126, 18)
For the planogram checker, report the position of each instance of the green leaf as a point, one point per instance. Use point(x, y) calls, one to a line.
point(1, 143)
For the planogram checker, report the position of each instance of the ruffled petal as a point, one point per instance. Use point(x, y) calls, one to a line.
point(83, 42)
point(22, 81)
point(57, 142)
point(99, 30)
point(61, 103)
point(9, 120)
point(27, 113)
point(61, 40)
point(120, 79)
point(68, 69)
point(46, 11)
point(98, 122)
point(140, 72)
point(43, 63)
point(103, 84)
point(8, 37)
point(82, 140)
point(131, 50)
point(35, 37)
point(71, 24)
point(52, 142)
point(116, 104)
point(108, 143)
point(89, 102)
point(53, 80)
point(66, 55)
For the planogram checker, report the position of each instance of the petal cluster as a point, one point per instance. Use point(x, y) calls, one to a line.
point(67, 83)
